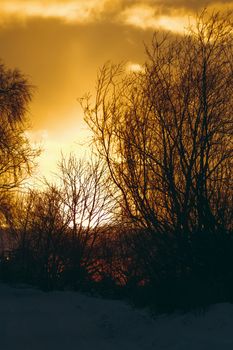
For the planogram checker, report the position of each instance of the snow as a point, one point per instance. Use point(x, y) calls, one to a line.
point(33, 320)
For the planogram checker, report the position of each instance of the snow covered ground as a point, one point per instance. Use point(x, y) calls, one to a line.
point(33, 320)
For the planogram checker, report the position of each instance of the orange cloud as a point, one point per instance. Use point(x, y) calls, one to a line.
point(69, 11)
point(145, 17)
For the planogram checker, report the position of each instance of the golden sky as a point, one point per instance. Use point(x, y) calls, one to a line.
point(61, 44)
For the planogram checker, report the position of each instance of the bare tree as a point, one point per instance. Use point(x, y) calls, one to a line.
point(38, 229)
point(166, 133)
point(88, 202)
point(58, 231)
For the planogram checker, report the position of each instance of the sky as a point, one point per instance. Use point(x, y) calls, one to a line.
point(60, 45)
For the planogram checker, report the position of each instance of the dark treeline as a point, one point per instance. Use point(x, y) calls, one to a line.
point(150, 218)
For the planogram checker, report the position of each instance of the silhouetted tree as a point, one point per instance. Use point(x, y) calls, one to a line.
point(88, 203)
point(166, 133)
point(38, 227)
point(57, 231)
point(16, 154)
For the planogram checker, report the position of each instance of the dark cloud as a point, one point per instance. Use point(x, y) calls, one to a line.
point(162, 7)
point(176, 4)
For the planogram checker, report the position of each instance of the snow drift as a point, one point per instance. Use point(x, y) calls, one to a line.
point(32, 319)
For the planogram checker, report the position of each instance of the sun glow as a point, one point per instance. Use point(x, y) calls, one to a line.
point(74, 140)
point(134, 67)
